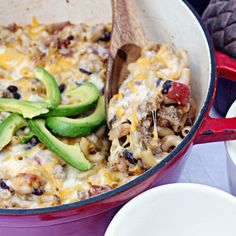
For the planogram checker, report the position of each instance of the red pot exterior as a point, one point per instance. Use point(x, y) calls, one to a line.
point(212, 129)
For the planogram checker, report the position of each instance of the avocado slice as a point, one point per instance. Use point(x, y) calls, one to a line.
point(87, 94)
point(26, 108)
point(69, 153)
point(69, 127)
point(9, 127)
point(52, 90)
point(26, 138)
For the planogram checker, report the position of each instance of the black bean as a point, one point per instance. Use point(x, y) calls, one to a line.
point(166, 86)
point(34, 141)
point(12, 88)
point(70, 37)
point(106, 37)
point(37, 191)
point(16, 95)
point(62, 88)
point(3, 185)
point(130, 157)
point(85, 71)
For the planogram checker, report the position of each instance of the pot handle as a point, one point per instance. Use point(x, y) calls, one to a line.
point(215, 129)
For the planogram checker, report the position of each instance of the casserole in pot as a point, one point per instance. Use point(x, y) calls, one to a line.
point(144, 130)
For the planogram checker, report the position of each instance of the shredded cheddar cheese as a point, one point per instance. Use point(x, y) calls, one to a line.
point(148, 109)
point(34, 176)
point(31, 171)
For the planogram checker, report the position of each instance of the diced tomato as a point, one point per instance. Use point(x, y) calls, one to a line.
point(179, 92)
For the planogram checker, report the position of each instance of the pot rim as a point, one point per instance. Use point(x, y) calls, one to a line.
point(169, 157)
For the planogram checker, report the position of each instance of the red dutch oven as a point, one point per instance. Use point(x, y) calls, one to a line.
point(173, 22)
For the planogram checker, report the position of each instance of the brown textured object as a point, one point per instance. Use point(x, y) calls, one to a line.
point(127, 38)
point(220, 19)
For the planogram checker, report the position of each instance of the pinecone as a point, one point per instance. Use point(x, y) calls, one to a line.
point(220, 19)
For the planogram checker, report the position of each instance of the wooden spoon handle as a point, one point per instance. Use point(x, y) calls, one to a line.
point(126, 43)
point(126, 27)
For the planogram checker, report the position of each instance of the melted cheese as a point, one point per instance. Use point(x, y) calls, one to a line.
point(26, 48)
point(140, 92)
point(10, 58)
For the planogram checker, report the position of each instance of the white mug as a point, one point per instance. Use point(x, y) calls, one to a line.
point(231, 153)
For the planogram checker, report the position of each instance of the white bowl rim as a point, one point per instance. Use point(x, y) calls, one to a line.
point(143, 197)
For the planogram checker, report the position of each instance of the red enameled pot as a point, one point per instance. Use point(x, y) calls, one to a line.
point(173, 22)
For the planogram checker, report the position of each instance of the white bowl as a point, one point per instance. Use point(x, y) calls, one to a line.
point(177, 210)
point(231, 152)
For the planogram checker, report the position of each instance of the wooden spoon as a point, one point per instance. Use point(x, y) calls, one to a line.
point(126, 42)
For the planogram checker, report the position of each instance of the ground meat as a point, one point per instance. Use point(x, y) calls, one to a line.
point(191, 113)
point(168, 116)
point(13, 27)
point(146, 123)
point(144, 129)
